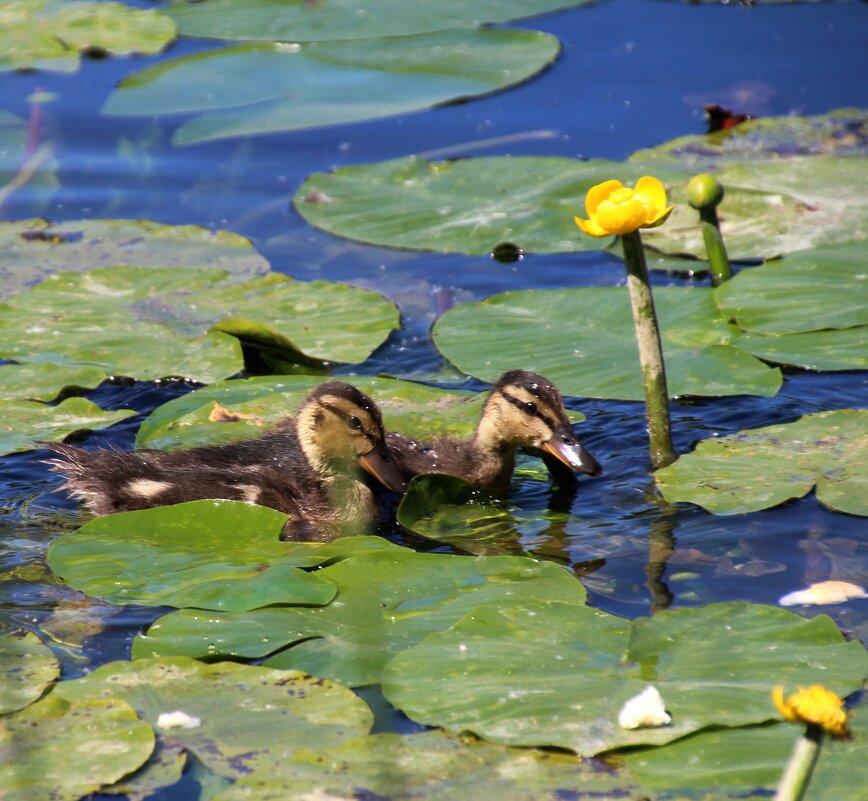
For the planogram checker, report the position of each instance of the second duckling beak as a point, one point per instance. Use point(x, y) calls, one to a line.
point(380, 464)
point(567, 449)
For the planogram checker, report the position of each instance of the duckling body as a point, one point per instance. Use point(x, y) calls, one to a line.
point(524, 410)
point(309, 467)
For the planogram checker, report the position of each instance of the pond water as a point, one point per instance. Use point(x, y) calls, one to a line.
point(633, 73)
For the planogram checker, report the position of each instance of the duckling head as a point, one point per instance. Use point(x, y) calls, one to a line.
point(341, 429)
point(526, 410)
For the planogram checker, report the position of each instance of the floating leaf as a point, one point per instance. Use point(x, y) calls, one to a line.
point(222, 555)
point(273, 712)
point(429, 766)
point(762, 467)
point(264, 88)
point(27, 667)
point(831, 349)
point(48, 34)
point(33, 249)
point(413, 409)
point(557, 674)
point(387, 600)
point(64, 750)
point(806, 291)
point(583, 340)
point(157, 323)
point(44, 382)
point(26, 421)
point(344, 19)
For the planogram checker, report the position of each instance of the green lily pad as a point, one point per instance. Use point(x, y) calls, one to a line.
point(727, 763)
point(44, 382)
point(584, 341)
point(273, 712)
point(48, 34)
point(62, 750)
point(275, 86)
point(25, 421)
point(762, 467)
point(221, 555)
point(830, 349)
point(842, 132)
point(558, 675)
point(27, 667)
point(806, 291)
point(156, 323)
point(343, 19)
point(429, 766)
point(388, 599)
point(34, 249)
point(20, 169)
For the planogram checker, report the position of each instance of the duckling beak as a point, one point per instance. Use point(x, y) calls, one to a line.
point(380, 464)
point(567, 449)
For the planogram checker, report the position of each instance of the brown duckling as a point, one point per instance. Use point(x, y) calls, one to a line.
point(307, 468)
point(524, 410)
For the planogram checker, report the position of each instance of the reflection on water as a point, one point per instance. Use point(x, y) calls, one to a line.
point(632, 74)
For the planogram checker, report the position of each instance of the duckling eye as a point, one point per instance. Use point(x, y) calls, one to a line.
point(354, 422)
point(530, 407)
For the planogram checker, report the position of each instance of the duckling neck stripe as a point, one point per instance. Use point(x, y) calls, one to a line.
point(547, 419)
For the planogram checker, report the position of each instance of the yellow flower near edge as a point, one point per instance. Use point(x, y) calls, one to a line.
point(616, 209)
point(814, 704)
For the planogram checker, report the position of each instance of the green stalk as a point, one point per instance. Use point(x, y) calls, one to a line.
point(797, 775)
point(650, 352)
point(714, 247)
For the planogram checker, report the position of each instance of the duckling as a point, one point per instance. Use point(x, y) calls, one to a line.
point(524, 410)
point(307, 468)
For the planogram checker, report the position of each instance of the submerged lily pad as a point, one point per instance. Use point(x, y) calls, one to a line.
point(63, 750)
point(344, 19)
point(221, 555)
point(272, 87)
point(428, 766)
point(388, 599)
point(49, 34)
point(33, 249)
point(238, 716)
point(155, 323)
point(584, 341)
point(762, 467)
point(27, 667)
point(44, 382)
point(26, 421)
point(18, 161)
point(806, 291)
point(556, 674)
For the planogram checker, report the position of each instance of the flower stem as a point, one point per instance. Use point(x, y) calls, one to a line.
point(797, 774)
point(650, 352)
point(714, 246)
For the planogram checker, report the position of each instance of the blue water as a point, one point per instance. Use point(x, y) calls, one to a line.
point(633, 73)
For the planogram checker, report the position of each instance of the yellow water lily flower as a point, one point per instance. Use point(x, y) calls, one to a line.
point(815, 705)
point(616, 209)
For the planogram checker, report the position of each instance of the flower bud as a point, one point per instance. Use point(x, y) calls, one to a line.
point(704, 191)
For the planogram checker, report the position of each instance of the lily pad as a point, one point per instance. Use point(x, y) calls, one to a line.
point(27, 667)
point(265, 88)
point(48, 34)
point(388, 599)
point(806, 291)
point(221, 555)
point(584, 341)
point(44, 382)
point(155, 323)
point(830, 349)
point(556, 674)
point(762, 467)
point(34, 249)
point(273, 712)
point(344, 19)
point(429, 766)
point(25, 421)
point(62, 750)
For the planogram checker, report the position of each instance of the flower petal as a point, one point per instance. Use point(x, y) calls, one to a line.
point(597, 194)
point(590, 227)
point(621, 218)
point(655, 193)
point(659, 220)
